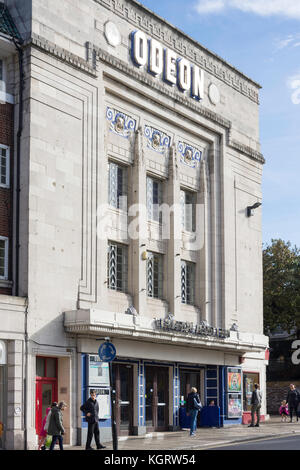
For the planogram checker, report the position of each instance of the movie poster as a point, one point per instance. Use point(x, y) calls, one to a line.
point(234, 405)
point(234, 380)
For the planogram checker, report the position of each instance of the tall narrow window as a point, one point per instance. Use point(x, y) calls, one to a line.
point(3, 258)
point(117, 186)
point(117, 266)
point(154, 199)
point(155, 275)
point(187, 282)
point(188, 210)
point(4, 166)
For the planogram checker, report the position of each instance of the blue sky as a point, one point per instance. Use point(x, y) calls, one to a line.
point(262, 39)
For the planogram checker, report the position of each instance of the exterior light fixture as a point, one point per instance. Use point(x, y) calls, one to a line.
point(251, 208)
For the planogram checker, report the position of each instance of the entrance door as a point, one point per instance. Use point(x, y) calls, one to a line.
point(122, 384)
point(157, 398)
point(46, 388)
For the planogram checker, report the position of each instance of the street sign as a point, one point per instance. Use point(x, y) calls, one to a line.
point(107, 352)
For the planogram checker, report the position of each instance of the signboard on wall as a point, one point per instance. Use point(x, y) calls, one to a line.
point(103, 399)
point(234, 379)
point(98, 372)
point(234, 405)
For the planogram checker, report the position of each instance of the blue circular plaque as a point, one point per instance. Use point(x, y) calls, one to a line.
point(107, 352)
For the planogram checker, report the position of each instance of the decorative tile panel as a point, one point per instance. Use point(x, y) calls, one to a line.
point(189, 155)
point(157, 140)
point(120, 123)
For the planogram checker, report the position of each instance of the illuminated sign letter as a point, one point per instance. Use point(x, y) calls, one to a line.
point(139, 48)
point(170, 66)
point(197, 83)
point(155, 57)
point(184, 74)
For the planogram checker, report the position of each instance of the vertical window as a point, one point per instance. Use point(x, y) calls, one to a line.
point(188, 210)
point(154, 199)
point(4, 166)
point(1, 72)
point(155, 275)
point(3, 258)
point(187, 282)
point(117, 266)
point(117, 186)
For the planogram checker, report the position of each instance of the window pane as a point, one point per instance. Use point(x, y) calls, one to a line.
point(117, 185)
point(51, 367)
point(40, 367)
point(117, 267)
point(154, 199)
point(155, 275)
point(188, 210)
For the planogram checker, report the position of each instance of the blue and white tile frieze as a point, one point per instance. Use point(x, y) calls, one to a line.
point(157, 140)
point(120, 123)
point(189, 155)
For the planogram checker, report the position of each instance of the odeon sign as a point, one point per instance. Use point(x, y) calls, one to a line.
point(164, 63)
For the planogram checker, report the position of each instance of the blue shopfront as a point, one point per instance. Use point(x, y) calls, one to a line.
point(150, 395)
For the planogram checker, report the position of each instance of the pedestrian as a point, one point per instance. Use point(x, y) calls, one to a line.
point(284, 411)
point(56, 428)
point(193, 406)
point(91, 410)
point(293, 399)
point(256, 401)
point(43, 431)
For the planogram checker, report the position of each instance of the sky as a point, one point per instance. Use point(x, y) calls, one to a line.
point(262, 39)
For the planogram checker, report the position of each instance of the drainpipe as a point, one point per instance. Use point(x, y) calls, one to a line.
point(18, 45)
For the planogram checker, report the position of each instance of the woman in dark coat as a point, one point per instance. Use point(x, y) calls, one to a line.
point(293, 398)
point(56, 428)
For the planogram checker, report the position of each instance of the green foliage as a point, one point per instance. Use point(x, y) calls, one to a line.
point(281, 271)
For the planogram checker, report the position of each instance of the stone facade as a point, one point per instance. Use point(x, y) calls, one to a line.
point(79, 77)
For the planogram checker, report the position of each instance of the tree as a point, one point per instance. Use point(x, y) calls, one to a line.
point(281, 272)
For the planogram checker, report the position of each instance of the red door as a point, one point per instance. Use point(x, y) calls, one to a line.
point(46, 390)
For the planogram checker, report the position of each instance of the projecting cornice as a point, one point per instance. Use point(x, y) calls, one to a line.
point(149, 22)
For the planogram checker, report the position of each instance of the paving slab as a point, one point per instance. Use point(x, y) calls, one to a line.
point(205, 437)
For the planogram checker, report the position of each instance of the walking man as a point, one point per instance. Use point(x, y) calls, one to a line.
point(293, 398)
point(193, 406)
point(256, 401)
point(91, 410)
point(56, 428)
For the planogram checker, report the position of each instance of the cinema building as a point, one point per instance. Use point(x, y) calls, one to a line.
point(140, 165)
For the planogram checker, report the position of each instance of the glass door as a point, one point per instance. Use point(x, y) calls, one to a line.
point(157, 398)
point(122, 384)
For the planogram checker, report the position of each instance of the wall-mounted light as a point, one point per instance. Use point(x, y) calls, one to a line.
point(144, 255)
point(251, 208)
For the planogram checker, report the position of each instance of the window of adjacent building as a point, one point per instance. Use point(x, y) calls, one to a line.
point(187, 282)
point(188, 210)
point(46, 367)
point(117, 266)
point(117, 186)
point(3, 258)
point(154, 275)
point(4, 166)
point(154, 199)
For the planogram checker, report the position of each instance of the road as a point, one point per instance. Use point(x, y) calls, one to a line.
point(282, 443)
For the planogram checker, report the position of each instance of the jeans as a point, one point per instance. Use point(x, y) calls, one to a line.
point(255, 409)
point(193, 415)
point(93, 430)
point(60, 441)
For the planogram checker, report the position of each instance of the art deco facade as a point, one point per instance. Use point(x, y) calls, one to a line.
point(139, 157)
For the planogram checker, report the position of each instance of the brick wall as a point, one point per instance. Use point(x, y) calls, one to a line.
point(7, 138)
point(276, 392)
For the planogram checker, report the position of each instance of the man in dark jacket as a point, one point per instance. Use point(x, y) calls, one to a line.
point(256, 401)
point(91, 410)
point(56, 428)
point(293, 399)
point(193, 406)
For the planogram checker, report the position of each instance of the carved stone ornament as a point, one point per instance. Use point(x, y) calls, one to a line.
point(112, 34)
point(157, 140)
point(120, 123)
point(189, 155)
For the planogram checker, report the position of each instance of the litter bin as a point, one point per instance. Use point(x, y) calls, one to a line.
point(184, 420)
point(210, 416)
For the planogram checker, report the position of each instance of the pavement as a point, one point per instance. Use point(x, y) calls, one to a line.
point(205, 437)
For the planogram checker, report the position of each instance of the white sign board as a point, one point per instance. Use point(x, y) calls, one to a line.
point(98, 372)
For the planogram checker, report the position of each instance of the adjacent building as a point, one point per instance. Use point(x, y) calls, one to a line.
point(136, 164)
